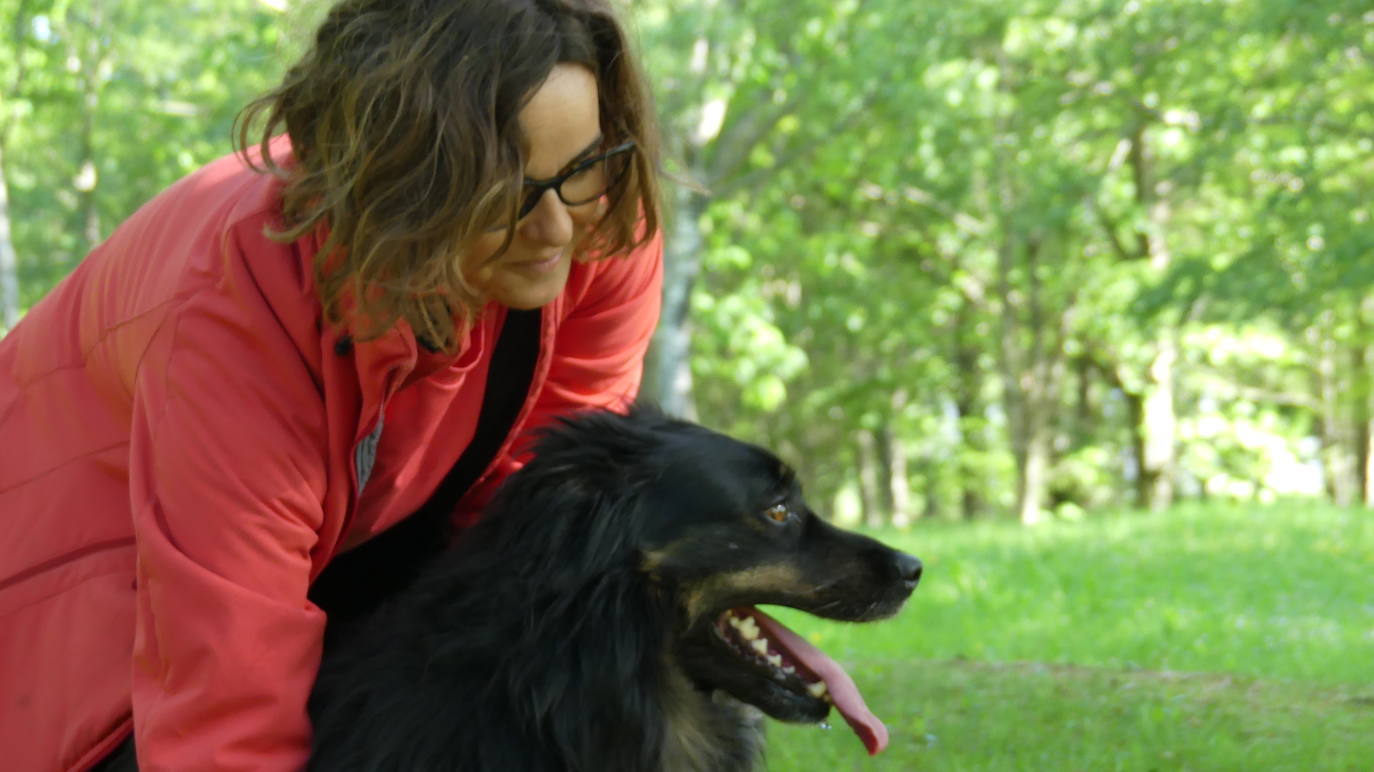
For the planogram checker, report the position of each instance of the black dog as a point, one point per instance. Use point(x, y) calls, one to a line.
point(600, 617)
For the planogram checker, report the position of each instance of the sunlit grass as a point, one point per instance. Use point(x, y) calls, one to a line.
point(1203, 638)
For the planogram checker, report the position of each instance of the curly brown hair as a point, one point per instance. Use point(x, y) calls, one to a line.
point(403, 119)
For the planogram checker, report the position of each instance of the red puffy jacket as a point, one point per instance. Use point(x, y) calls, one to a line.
point(183, 449)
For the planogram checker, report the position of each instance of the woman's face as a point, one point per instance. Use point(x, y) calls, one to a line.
point(562, 126)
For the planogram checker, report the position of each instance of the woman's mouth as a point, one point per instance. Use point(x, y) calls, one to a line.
point(539, 265)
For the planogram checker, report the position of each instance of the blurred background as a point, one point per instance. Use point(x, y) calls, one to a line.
point(969, 266)
point(957, 260)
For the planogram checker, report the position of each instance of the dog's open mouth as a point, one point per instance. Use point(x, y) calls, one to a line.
point(799, 667)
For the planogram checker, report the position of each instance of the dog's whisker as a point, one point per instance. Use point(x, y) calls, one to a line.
point(827, 607)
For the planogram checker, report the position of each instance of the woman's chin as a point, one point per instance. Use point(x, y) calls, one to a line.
point(527, 285)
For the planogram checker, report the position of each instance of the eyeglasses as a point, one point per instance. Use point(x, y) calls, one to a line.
point(582, 184)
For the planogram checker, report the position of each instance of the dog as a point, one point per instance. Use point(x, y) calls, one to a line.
point(601, 616)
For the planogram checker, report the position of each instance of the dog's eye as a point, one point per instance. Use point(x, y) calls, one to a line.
point(778, 513)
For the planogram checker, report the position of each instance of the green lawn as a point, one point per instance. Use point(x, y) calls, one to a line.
point(1205, 638)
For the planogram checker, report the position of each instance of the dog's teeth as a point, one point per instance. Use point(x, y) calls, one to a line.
point(788, 669)
point(734, 621)
point(775, 660)
point(817, 689)
point(760, 645)
point(749, 629)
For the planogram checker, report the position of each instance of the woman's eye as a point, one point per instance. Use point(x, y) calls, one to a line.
point(778, 513)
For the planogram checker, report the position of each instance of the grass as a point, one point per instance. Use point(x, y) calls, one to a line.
point(1205, 638)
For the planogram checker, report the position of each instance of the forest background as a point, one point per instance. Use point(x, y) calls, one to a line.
point(953, 260)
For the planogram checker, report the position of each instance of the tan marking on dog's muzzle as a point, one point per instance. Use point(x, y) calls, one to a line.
point(756, 580)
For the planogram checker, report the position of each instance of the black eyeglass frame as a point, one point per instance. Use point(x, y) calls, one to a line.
point(537, 188)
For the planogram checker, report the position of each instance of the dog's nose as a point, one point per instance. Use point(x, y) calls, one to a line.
point(908, 569)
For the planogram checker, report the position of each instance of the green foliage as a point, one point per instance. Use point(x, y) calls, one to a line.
point(755, 360)
point(1086, 178)
point(108, 103)
point(959, 228)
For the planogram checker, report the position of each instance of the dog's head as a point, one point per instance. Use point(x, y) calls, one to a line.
point(717, 526)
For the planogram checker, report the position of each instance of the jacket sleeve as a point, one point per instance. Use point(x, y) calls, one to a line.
point(227, 476)
point(598, 353)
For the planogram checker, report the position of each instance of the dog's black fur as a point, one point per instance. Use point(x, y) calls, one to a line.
point(576, 627)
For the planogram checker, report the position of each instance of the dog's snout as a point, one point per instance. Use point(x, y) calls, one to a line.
point(908, 569)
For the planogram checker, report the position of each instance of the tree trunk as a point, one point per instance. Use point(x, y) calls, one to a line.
point(1031, 360)
point(1338, 462)
point(892, 457)
point(1085, 412)
point(1032, 325)
point(87, 179)
point(668, 369)
point(1362, 412)
point(9, 261)
point(968, 403)
point(1029, 430)
point(9, 264)
point(1367, 467)
point(91, 56)
point(870, 493)
point(1032, 480)
point(1135, 415)
point(1364, 448)
point(931, 504)
point(1155, 483)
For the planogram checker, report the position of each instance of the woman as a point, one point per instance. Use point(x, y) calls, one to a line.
point(285, 353)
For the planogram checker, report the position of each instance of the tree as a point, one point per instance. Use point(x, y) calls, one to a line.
point(742, 109)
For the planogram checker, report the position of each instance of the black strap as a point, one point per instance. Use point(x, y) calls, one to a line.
point(508, 385)
point(356, 581)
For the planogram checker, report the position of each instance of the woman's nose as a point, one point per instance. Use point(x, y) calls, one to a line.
point(549, 223)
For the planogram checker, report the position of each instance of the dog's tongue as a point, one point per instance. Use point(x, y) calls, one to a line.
point(841, 687)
